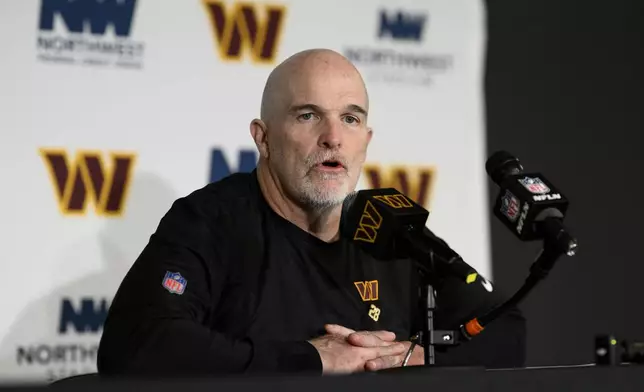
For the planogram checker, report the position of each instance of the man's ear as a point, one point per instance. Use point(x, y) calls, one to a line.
point(369, 135)
point(258, 132)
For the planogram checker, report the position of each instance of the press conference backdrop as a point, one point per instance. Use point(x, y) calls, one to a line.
point(110, 110)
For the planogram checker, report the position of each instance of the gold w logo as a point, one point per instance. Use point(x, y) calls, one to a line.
point(368, 290)
point(240, 29)
point(395, 201)
point(417, 183)
point(87, 177)
point(369, 224)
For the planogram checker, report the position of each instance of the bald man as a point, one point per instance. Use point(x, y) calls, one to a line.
point(249, 275)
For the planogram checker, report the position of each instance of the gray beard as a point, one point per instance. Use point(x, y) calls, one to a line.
point(315, 200)
point(319, 205)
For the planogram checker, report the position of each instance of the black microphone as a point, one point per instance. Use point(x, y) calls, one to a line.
point(528, 204)
point(389, 226)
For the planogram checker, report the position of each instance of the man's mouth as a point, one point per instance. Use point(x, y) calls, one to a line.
point(330, 165)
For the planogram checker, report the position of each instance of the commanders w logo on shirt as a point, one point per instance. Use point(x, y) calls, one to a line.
point(88, 177)
point(244, 27)
point(368, 290)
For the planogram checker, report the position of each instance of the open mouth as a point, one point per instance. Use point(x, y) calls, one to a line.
point(331, 164)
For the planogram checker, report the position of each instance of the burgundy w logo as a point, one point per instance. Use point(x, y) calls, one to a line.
point(88, 178)
point(368, 290)
point(242, 28)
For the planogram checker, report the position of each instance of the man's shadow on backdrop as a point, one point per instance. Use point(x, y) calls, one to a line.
point(57, 335)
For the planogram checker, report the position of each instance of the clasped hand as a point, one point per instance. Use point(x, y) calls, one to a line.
point(344, 350)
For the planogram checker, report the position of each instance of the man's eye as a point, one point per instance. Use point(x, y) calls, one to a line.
point(306, 116)
point(351, 120)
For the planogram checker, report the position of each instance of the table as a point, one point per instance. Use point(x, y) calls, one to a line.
point(588, 378)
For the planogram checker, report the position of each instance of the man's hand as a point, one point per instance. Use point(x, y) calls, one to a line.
point(376, 339)
point(386, 362)
point(348, 352)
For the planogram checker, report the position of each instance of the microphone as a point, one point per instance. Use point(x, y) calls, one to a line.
point(390, 226)
point(528, 204)
point(532, 208)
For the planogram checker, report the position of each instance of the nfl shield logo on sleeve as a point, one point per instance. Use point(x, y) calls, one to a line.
point(534, 185)
point(174, 282)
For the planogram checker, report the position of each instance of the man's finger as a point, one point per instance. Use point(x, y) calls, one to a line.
point(390, 349)
point(371, 339)
point(384, 362)
point(335, 329)
point(387, 336)
point(394, 349)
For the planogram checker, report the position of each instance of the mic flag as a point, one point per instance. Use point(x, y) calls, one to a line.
point(390, 226)
point(525, 199)
point(373, 217)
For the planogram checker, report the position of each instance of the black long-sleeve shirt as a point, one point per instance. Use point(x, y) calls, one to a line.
point(225, 285)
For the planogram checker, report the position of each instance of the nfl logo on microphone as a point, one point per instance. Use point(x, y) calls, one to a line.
point(174, 282)
point(534, 185)
point(510, 206)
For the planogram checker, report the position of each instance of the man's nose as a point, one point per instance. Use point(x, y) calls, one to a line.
point(331, 135)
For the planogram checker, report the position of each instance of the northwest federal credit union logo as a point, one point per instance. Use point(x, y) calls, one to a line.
point(245, 28)
point(89, 177)
point(388, 63)
point(79, 328)
point(220, 166)
point(401, 25)
point(89, 32)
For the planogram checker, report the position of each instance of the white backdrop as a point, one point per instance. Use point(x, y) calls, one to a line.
point(163, 97)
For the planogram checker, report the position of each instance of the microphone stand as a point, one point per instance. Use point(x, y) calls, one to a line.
point(556, 242)
point(429, 336)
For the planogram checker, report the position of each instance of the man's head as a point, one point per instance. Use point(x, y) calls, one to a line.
point(313, 132)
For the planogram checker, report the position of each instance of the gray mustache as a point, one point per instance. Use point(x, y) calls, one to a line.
point(317, 159)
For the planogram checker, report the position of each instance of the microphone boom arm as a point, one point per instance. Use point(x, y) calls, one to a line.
point(555, 244)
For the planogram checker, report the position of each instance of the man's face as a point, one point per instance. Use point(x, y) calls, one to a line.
point(318, 143)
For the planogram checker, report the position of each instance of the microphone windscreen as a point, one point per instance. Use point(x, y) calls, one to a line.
point(500, 164)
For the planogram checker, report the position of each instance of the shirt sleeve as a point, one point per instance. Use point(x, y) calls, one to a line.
point(158, 322)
